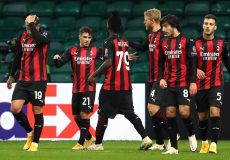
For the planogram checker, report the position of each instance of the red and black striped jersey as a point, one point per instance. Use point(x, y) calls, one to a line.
point(152, 44)
point(180, 62)
point(31, 56)
point(210, 54)
point(83, 62)
point(117, 76)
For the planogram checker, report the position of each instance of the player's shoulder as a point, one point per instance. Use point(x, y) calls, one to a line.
point(44, 32)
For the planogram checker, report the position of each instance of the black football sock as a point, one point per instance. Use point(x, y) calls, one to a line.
point(38, 125)
point(188, 122)
point(89, 135)
point(85, 123)
point(136, 121)
point(203, 128)
point(159, 121)
point(100, 129)
point(78, 122)
point(23, 121)
point(216, 125)
point(172, 131)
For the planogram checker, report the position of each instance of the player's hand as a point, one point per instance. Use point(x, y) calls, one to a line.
point(192, 89)
point(91, 80)
point(163, 83)
point(56, 56)
point(9, 82)
point(200, 74)
point(30, 19)
point(132, 57)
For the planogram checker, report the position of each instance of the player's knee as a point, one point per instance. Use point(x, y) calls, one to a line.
point(15, 110)
point(77, 117)
point(37, 110)
point(84, 115)
point(153, 109)
point(202, 116)
point(214, 112)
point(184, 113)
point(170, 112)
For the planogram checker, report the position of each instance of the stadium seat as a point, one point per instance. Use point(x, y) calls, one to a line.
point(9, 57)
point(123, 7)
point(197, 8)
point(12, 23)
point(3, 77)
point(93, 22)
point(221, 8)
point(223, 22)
point(15, 9)
point(192, 21)
point(135, 35)
point(1, 58)
point(42, 8)
point(139, 67)
point(65, 23)
point(100, 35)
point(4, 68)
point(136, 23)
point(220, 33)
point(61, 77)
point(172, 7)
point(56, 47)
point(190, 32)
point(140, 8)
point(98, 43)
point(139, 77)
point(64, 69)
point(46, 22)
point(6, 35)
point(59, 35)
point(142, 56)
point(1, 7)
point(69, 44)
point(68, 8)
point(94, 8)
point(228, 37)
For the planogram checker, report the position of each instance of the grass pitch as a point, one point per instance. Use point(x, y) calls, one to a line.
point(114, 150)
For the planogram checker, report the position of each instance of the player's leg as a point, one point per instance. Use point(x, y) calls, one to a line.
point(87, 104)
point(203, 113)
point(184, 99)
point(107, 109)
point(18, 100)
point(127, 109)
point(215, 100)
point(171, 103)
point(158, 117)
point(37, 98)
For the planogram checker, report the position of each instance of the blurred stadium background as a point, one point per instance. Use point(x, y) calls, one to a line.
point(64, 18)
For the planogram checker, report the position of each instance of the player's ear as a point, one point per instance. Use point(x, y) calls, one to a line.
point(215, 28)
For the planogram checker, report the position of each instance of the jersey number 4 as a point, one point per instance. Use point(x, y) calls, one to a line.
point(123, 56)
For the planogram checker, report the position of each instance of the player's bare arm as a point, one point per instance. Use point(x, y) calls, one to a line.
point(99, 71)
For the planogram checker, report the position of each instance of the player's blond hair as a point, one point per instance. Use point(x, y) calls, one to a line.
point(153, 14)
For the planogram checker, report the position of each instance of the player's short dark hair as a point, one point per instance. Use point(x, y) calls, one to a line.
point(172, 20)
point(85, 29)
point(211, 16)
point(114, 22)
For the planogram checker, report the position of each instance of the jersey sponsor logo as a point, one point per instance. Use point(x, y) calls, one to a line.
point(83, 60)
point(28, 47)
point(123, 44)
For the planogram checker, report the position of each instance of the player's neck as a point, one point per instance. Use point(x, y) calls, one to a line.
point(156, 28)
point(175, 34)
point(208, 37)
